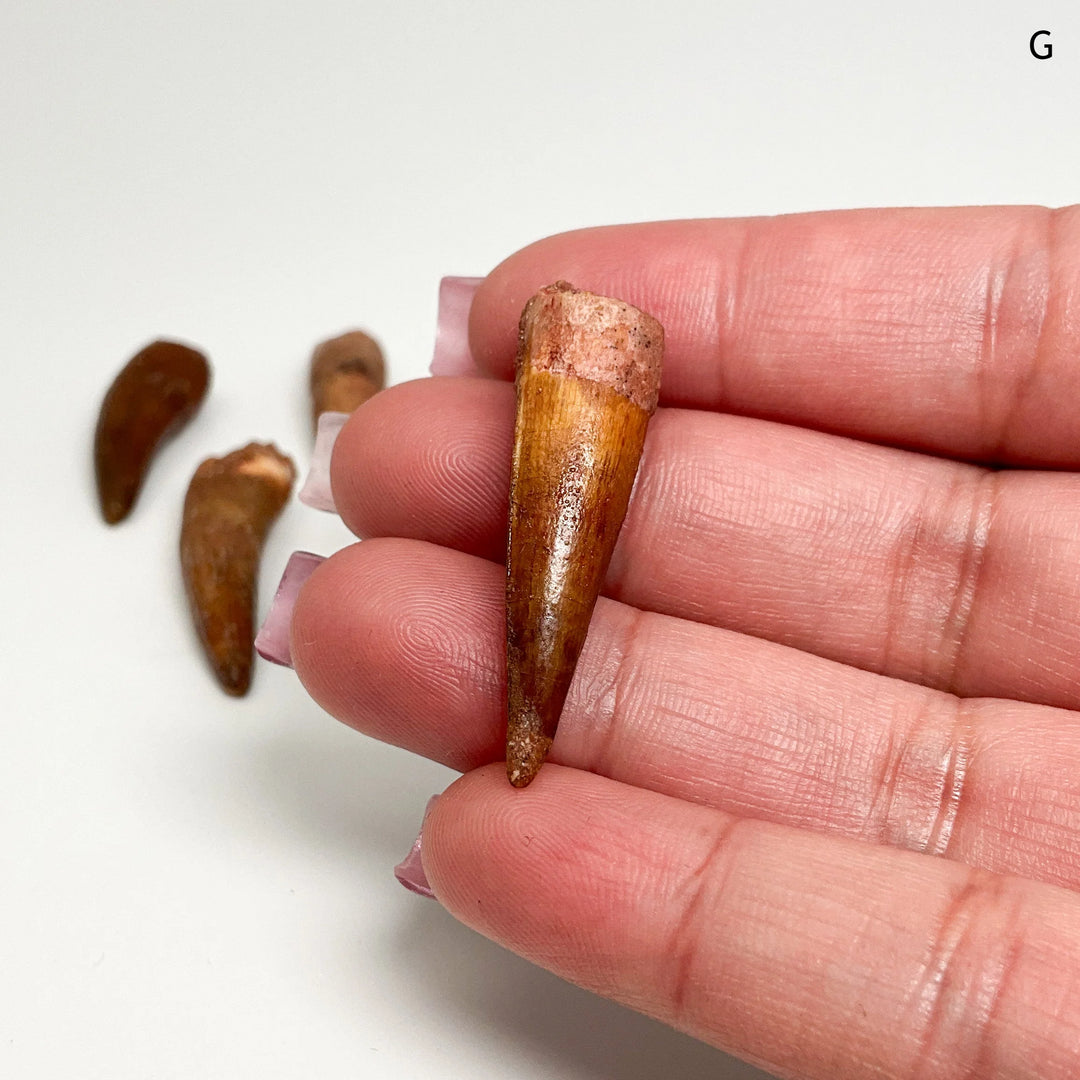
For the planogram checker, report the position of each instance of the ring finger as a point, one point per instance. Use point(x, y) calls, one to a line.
point(403, 640)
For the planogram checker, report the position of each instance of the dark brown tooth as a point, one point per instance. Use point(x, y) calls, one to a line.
point(588, 377)
point(230, 505)
point(345, 372)
point(156, 392)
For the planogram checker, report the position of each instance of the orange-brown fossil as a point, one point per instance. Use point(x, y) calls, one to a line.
point(345, 372)
point(156, 392)
point(588, 377)
point(230, 505)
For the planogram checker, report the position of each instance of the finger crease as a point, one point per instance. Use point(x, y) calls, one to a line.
point(728, 303)
point(968, 578)
point(987, 375)
point(610, 715)
point(901, 590)
point(952, 790)
point(1013, 277)
point(965, 979)
point(920, 785)
point(703, 885)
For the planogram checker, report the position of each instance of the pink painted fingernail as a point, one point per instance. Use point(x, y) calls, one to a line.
point(316, 490)
point(452, 355)
point(410, 871)
point(272, 641)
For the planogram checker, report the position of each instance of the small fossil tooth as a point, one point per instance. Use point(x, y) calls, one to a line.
point(588, 378)
point(156, 392)
point(345, 372)
point(230, 505)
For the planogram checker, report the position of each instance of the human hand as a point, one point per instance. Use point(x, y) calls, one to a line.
point(815, 795)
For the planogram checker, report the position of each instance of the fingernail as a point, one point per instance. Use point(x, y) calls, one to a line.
point(316, 491)
point(452, 354)
point(588, 377)
point(272, 641)
point(410, 871)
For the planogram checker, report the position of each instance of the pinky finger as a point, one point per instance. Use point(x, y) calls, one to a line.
point(813, 956)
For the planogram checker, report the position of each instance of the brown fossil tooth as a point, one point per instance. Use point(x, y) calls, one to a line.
point(345, 372)
point(156, 392)
point(588, 377)
point(230, 505)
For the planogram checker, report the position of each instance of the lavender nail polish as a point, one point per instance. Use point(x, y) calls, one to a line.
point(410, 871)
point(452, 355)
point(272, 641)
point(316, 491)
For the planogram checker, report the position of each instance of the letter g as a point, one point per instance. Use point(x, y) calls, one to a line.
point(1047, 48)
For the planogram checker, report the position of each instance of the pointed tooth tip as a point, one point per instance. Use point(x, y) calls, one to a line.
point(114, 513)
point(518, 777)
point(525, 753)
point(236, 682)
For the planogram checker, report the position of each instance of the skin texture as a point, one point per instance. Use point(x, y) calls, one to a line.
point(815, 795)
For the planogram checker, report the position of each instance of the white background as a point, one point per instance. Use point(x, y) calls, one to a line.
point(193, 886)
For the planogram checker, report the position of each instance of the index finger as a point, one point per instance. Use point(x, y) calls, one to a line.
point(815, 956)
point(949, 330)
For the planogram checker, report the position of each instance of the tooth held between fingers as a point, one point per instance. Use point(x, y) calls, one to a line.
point(588, 378)
point(316, 491)
point(230, 505)
point(155, 394)
point(452, 354)
point(272, 641)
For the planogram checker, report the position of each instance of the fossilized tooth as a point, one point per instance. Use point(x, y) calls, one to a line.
point(156, 392)
point(230, 505)
point(345, 372)
point(588, 377)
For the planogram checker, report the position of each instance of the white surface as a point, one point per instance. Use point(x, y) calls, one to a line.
point(198, 887)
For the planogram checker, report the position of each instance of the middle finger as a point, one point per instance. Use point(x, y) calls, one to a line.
point(913, 566)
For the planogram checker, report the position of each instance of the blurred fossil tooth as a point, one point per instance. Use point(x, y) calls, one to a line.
point(230, 505)
point(588, 378)
point(155, 393)
point(345, 372)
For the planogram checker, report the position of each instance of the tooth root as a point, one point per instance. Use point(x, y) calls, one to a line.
point(230, 505)
point(587, 383)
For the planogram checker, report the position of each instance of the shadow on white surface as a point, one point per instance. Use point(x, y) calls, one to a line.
point(347, 799)
point(574, 1033)
point(333, 790)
